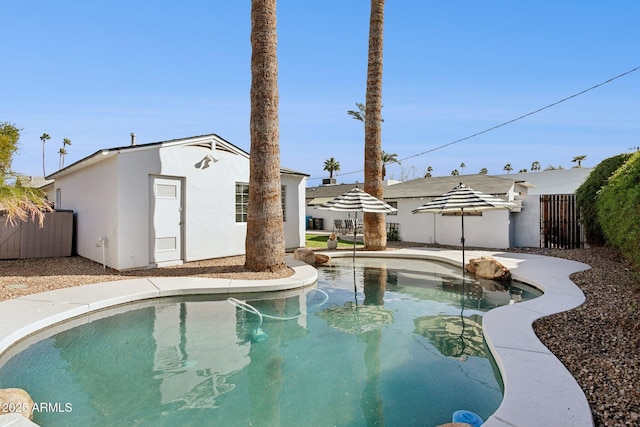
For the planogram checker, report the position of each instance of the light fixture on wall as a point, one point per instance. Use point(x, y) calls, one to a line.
point(204, 163)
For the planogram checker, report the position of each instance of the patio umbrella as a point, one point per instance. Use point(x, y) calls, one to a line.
point(463, 199)
point(357, 200)
point(354, 318)
point(453, 336)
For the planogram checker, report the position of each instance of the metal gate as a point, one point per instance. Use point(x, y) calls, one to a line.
point(559, 222)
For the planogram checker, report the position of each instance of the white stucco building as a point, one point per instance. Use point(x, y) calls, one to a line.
point(167, 202)
point(519, 227)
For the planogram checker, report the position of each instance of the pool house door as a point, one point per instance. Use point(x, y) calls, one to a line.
point(166, 220)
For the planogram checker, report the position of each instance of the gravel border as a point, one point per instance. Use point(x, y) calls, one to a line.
point(598, 342)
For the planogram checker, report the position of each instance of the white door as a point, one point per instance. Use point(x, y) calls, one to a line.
point(166, 219)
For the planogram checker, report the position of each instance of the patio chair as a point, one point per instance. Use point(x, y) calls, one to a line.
point(338, 225)
point(349, 225)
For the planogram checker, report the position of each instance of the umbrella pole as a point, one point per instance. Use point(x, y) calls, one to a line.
point(355, 287)
point(355, 227)
point(462, 241)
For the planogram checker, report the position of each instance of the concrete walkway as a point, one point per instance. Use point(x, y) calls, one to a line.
point(539, 391)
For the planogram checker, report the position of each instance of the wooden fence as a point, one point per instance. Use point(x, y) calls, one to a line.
point(560, 222)
point(28, 240)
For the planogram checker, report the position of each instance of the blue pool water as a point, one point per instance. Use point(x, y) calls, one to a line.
point(404, 348)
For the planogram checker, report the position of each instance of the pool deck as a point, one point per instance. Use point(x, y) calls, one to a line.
point(538, 389)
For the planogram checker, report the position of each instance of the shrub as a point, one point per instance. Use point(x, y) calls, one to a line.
point(586, 196)
point(618, 206)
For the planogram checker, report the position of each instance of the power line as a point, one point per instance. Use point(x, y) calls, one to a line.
point(502, 124)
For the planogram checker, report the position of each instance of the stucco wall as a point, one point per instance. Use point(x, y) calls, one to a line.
point(92, 194)
point(133, 173)
point(491, 230)
point(526, 224)
point(210, 230)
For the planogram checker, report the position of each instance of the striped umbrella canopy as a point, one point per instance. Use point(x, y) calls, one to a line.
point(460, 200)
point(357, 200)
point(463, 199)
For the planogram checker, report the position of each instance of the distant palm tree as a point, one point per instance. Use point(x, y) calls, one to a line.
point(264, 242)
point(553, 168)
point(388, 158)
point(63, 151)
point(361, 114)
point(535, 166)
point(508, 168)
point(522, 171)
point(579, 160)
point(484, 171)
point(331, 166)
point(455, 172)
point(462, 166)
point(429, 171)
point(44, 138)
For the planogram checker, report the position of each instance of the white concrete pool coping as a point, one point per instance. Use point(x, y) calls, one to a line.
point(538, 389)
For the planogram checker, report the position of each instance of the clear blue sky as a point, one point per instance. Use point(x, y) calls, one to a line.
point(96, 71)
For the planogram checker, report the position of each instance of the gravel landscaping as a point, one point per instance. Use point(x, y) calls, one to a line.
point(599, 342)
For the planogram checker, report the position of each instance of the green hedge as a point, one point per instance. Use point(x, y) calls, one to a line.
point(618, 207)
point(586, 196)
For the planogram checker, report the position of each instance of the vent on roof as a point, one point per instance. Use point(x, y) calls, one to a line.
point(208, 145)
point(221, 147)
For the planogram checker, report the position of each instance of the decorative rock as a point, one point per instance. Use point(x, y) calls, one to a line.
point(305, 255)
point(16, 400)
point(488, 268)
point(322, 259)
point(310, 257)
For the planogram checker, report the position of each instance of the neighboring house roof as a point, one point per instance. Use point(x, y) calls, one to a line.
point(558, 181)
point(418, 188)
point(324, 193)
point(211, 141)
point(436, 186)
point(32, 181)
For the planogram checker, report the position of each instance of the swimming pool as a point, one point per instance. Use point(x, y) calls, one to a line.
point(407, 334)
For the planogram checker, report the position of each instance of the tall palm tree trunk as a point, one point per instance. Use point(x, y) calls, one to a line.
point(375, 232)
point(264, 245)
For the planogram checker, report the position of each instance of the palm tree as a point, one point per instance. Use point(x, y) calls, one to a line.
point(535, 166)
point(522, 171)
point(44, 138)
point(462, 166)
point(361, 114)
point(429, 171)
point(579, 160)
point(375, 230)
point(331, 166)
point(508, 167)
point(264, 245)
point(388, 158)
point(18, 203)
point(455, 172)
point(484, 171)
point(63, 151)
